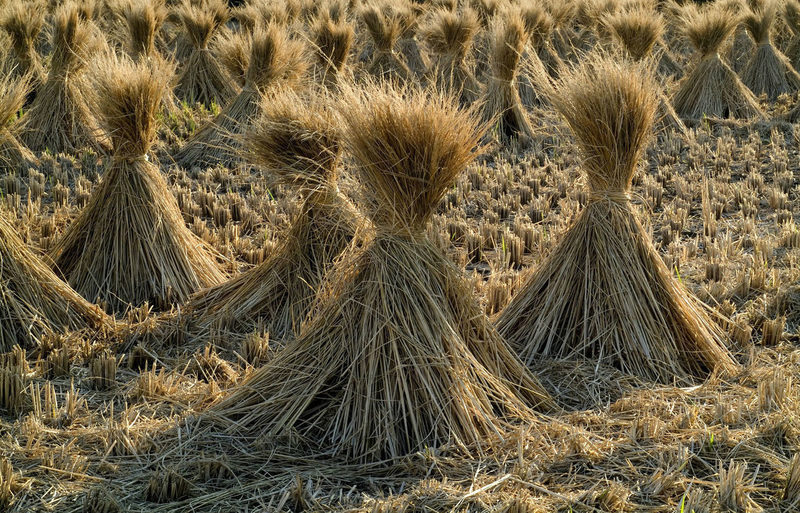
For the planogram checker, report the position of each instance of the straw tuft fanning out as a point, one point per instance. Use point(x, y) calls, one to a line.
point(59, 118)
point(767, 71)
point(604, 292)
point(129, 245)
point(384, 26)
point(23, 22)
point(396, 357)
point(449, 35)
point(712, 88)
point(276, 60)
point(13, 155)
point(332, 41)
point(501, 103)
point(297, 141)
point(202, 78)
point(143, 21)
point(33, 300)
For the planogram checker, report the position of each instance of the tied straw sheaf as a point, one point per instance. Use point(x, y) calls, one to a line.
point(396, 355)
point(604, 292)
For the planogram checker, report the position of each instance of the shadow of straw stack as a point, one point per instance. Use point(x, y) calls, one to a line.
point(712, 88)
point(59, 118)
point(130, 245)
point(276, 61)
point(396, 355)
point(296, 140)
point(604, 292)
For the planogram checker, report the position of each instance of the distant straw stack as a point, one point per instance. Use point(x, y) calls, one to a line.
point(143, 20)
point(202, 79)
point(33, 300)
point(396, 356)
point(637, 31)
point(332, 41)
point(539, 26)
point(384, 26)
point(712, 88)
point(13, 155)
point(501, 103)
point(23, 22)
point(59, 118)
point(296, 141)
point(449, 35)
point(767, 71)
point(407, 45)
point(233, 52)
point(276, 61)
point(604, 292)
point(129, 245)
point(791, 15)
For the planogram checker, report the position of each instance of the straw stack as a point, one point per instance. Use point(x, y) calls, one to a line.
point(13, 155)
point(604, 292)
point(275, 61)
point(767, 71)
point(295, 140)
point(712, 88)
point(33, 300)
point(449, 35)
point(396, 356)
point(130, 245)
point(59, 118)
point(202, 78)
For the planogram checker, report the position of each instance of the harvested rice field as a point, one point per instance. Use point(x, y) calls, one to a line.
point(508, 256)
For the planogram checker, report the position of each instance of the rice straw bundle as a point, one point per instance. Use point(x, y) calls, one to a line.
point(296, 141)
point(143, 20)
point(637, 31)
point(501, 103)
point(332, 42)
point(275, 61)
point(408, 13)
point(563, 13)
point(23, 21)
point(791, 15)
point(767, 71)
point(253, 15)
point(202, 79)
point(58, 118)
point(449, 35)
point(741, 47)
point(129, 245)
point(384, 26)
point(396, 356)
point(33, 300)
point(13, 155)
point(604, 292)
point(712, 88)
point(539, 27)
point(233, 52)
